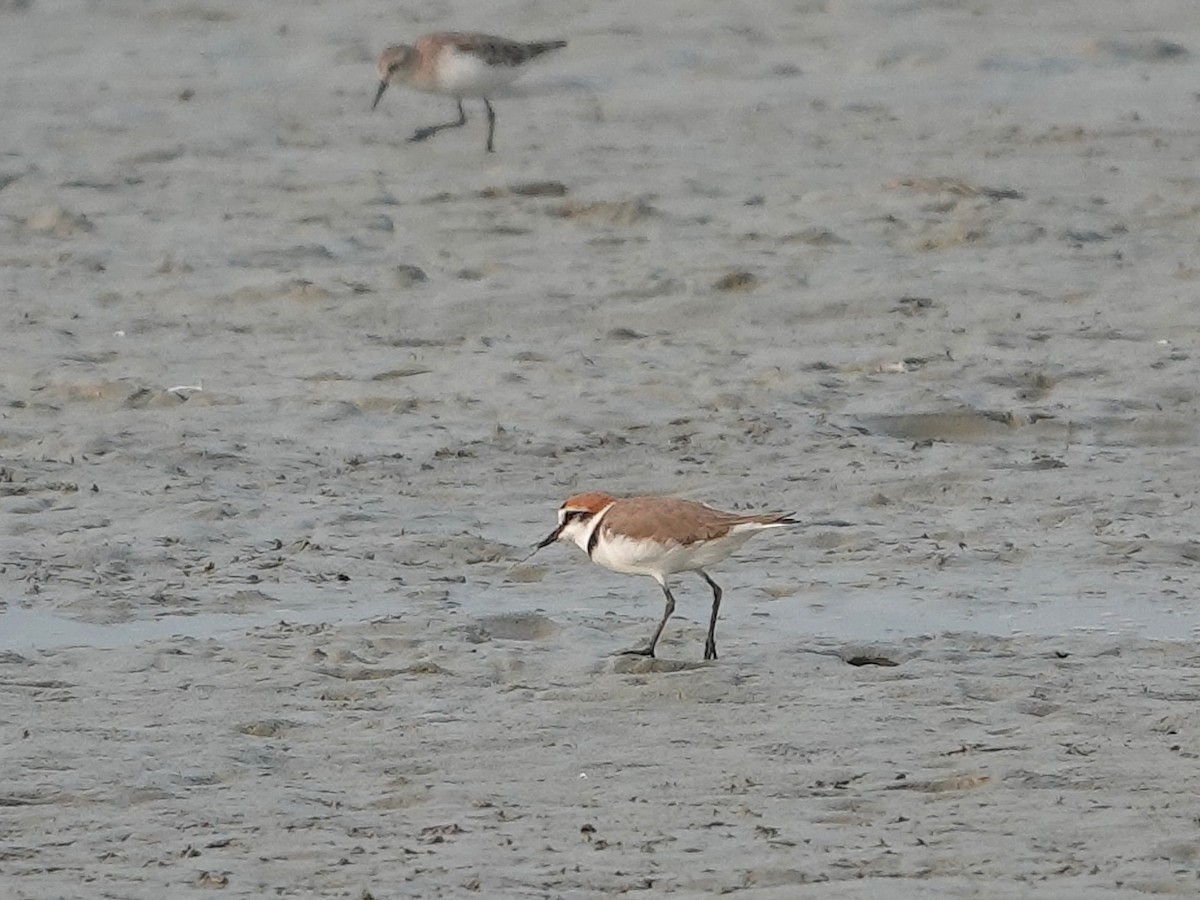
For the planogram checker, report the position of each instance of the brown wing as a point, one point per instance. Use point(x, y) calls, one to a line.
point(691, 521)
point(496, 51)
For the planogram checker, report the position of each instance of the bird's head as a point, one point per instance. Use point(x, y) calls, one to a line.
point(575, 518)
point(392, 60)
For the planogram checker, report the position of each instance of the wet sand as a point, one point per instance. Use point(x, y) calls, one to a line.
point(285, 398)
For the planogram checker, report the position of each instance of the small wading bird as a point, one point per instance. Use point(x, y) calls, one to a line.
point(658, 536)
point(458, 65)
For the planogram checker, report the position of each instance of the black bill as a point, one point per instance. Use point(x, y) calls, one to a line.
point(550, 539)
point(379, 93)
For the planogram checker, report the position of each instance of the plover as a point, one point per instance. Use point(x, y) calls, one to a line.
point(458, 64)
point(659, 536)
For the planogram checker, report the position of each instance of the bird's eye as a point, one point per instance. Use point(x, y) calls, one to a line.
point(572, 515)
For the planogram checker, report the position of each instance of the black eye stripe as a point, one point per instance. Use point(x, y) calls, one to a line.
point(572, 514)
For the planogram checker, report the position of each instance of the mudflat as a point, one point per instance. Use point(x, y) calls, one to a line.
point(286, 399)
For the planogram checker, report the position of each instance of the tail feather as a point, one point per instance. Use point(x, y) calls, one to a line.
point(537, 48)
point(772, 518)
point(765, 520)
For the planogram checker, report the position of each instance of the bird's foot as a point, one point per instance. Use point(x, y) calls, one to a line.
point(710, 651)
point(641, 651)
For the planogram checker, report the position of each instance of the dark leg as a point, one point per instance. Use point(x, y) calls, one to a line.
point(491, 124)
point(430, 130)
point(710, 646)
point(649, 651)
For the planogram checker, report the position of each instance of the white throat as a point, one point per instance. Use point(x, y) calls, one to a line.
point(581, 533)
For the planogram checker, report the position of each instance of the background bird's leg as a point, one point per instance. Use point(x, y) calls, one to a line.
point(430, 130)
point(491, 114)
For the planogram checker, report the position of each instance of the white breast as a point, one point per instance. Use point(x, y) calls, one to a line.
point(646, 557)
point(462, 74)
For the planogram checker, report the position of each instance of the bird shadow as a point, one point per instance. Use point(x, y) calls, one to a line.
point(625, 664)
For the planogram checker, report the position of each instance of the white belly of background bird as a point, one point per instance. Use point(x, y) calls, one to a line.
point(467, 75)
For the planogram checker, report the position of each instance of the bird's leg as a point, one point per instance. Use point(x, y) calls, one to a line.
point(430, 130)
point(710, 645)
point(649, 650)
point(491, 114)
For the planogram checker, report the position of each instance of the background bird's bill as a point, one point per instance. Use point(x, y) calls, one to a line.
point(379, 93)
